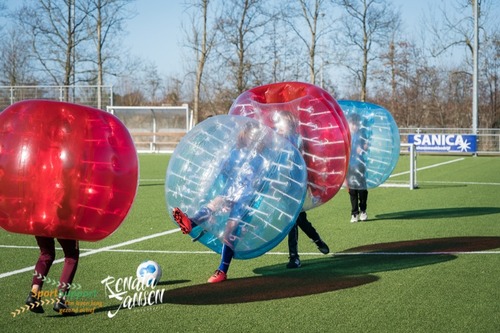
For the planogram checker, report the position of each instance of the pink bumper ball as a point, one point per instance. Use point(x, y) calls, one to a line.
point(66, 170)
point(313, 121)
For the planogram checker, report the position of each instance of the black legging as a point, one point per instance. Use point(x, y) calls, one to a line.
point(358, 200)
point(293, 236)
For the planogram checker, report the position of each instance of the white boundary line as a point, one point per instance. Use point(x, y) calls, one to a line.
point(437, 182)
point(112, 248)
point(459, 183)
point(428, 167)
point(271, 253)
point(91, 252)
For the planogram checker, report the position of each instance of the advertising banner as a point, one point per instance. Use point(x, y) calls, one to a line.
point(447, 143)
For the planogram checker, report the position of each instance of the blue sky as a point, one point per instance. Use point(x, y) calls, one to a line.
point(155, 33)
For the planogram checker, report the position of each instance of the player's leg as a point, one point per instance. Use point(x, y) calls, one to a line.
point(363, 199)
point(353, 196)
point(71, 256)
point(293, 240)
point(311, 232)
point(220, 274)
point(42, 267)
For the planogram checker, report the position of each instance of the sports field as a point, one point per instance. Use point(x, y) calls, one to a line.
point(428, 260)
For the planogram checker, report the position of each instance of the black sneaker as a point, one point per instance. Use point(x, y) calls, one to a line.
point(293, 263)
point(61, 307)
point(34, 303)
point(322, 247)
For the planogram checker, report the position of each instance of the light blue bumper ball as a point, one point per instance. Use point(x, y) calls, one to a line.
point(375, 144)
point(239, 182)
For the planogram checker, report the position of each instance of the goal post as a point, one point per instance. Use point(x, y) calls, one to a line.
point(405, 178)
point(154, 129)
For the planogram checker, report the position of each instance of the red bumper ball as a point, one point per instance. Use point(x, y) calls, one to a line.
point(323, 132)
point(66, 170)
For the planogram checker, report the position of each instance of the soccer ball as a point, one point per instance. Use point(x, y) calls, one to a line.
point(149, 273)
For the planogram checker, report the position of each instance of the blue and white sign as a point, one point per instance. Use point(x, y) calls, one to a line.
point(447, 143)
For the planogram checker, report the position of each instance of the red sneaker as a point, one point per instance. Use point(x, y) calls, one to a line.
point(182, 220)
point(219, 276)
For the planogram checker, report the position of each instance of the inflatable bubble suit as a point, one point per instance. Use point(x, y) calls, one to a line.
point(66, 170)
point(375, 144)
point(247, 182)
point(314, 123)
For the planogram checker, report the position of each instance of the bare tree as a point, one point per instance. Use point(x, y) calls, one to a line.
point(366, 25)
point(172, 95)
point(152, 82)
point(490, 88)
point(3, 10)
point(105, 25)
point(201, 39)
point(242, 26)
point(317, 25)
point(455, 27)
point(15, 62)
point(55, 28)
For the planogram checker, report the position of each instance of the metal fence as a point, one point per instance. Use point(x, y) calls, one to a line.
point(101, 97)
point(95, 96)
point(155, 129)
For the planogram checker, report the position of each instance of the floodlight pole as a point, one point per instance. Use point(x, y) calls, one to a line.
point(475, 70)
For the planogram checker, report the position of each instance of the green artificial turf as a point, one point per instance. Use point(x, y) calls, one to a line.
point(428, 260)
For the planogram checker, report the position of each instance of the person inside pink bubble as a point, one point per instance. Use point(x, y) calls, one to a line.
point(286, 124)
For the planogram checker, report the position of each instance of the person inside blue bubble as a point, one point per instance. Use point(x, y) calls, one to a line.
point(356, 174)
point(242, 174)
point(285, 123)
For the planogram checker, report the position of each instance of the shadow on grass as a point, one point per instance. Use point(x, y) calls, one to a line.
point(264, 288)
point(431, 246)
point(349, 269)
point(170, 282)
point(439, 213)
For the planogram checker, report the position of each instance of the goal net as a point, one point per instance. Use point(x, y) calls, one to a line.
point(405, 174)
point(154, 129)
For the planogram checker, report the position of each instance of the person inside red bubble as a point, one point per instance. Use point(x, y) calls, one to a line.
point(48, 254)
point(42, 267)
point(285, 124)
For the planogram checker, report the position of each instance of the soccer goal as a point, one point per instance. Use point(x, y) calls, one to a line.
point(155, 129)
point(405, 178)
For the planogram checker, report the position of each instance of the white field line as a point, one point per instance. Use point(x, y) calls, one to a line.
point(457, 183)
point(441, 182)
point(94, 251)
point(427, 167)
point(112, 248)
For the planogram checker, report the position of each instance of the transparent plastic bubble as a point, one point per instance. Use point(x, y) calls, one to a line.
point(375, 144)
point(239, 182)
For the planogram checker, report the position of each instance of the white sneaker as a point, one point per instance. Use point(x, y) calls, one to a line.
point(363, 216)
point(354, 218)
